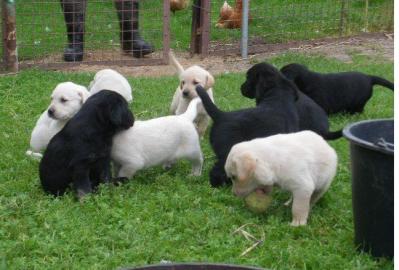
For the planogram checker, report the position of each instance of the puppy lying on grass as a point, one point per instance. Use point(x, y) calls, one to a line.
point(66, 100)
point(302, 163)
point(159, 141)
point(185, 92)
point(335, 92)
point(80, 153)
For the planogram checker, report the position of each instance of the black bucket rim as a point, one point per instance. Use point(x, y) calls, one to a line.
point(193, 265)
point(356, 140)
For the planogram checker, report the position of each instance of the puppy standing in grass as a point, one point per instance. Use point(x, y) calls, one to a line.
point(185, 92)
point(80, 153)
point(275, 113)
point(302, 163)
point(335, 92)
point(159, 141)
point(66, 100)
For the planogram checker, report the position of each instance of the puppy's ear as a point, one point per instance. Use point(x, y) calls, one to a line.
point(84, 94)
point(121, 116)
point(262, 85)
point(246, 167)
point(295, 91)
point(209, 81)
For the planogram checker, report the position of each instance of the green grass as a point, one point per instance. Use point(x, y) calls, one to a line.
point(41, 29)
point(167, 215)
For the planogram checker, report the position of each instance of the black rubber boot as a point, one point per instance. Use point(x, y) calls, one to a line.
point(74, 15)
point(131, 41)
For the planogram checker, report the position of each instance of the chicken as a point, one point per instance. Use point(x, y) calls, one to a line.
point(178, 5)
point(230, 17)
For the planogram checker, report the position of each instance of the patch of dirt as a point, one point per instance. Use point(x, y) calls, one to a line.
point(380, 46)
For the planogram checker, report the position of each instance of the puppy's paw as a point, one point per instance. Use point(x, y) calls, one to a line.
point(80, 195)
point(287, 203)
point(196, 173)
point(298, 222)
point(168, 166)
point(118, 181)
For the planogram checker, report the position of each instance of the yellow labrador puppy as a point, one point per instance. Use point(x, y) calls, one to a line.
point(66, 100)
point(302, 163)
point(185, 92)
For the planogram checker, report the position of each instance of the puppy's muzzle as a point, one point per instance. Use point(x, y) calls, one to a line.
point(186, 93)
point(50, 112)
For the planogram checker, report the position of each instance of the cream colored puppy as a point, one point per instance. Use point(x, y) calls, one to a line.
point(158, 141)
point(185, 92)
point(302, 163)
point(110, 79)
point(66, 100)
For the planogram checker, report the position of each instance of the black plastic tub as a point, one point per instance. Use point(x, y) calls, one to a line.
point(372, 165)
point(194, 266)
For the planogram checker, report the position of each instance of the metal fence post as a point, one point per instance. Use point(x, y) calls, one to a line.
point(366, 16)
point(10, 55)
point(244, 29)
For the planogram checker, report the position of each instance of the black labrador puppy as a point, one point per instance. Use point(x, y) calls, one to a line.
point(311, 116)
point(80, 153)
point(275, 113)
point(335, 92)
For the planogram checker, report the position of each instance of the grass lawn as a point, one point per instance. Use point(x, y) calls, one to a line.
point(167, 215)
point(41, 27)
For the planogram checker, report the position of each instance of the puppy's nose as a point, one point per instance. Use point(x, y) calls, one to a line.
point(185, 93)
point(50, 112)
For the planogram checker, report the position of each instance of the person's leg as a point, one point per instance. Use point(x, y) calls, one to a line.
point(131, 41)
point(74, 15)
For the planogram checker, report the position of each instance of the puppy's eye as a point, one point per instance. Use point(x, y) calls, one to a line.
point(195, 82)
point(63, 100)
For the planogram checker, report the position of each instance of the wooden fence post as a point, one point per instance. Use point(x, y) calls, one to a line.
point(343, 22)
point(166, 31)
point(200, 27)
point(10, 55)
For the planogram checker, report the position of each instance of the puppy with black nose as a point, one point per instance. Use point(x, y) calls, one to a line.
point(185, 92)
point(275, 113)
point(66, 100)
point(311, 116)
point(80, 153)
point(335, 92)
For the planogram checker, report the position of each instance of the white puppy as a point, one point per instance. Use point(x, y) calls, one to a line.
point(110, 79)
point(158, 141)
point(185, 92)
point(66, 100)
point(302, 163)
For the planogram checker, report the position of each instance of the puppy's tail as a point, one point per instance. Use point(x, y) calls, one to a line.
point(381, 81)
point(192, 109)
point(173, 61)
point(333, 135)
point(34, 155)
point(209, 106)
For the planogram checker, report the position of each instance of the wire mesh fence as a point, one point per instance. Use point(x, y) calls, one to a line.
point(42, 26)
point(282, 21)
point(58, 32)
